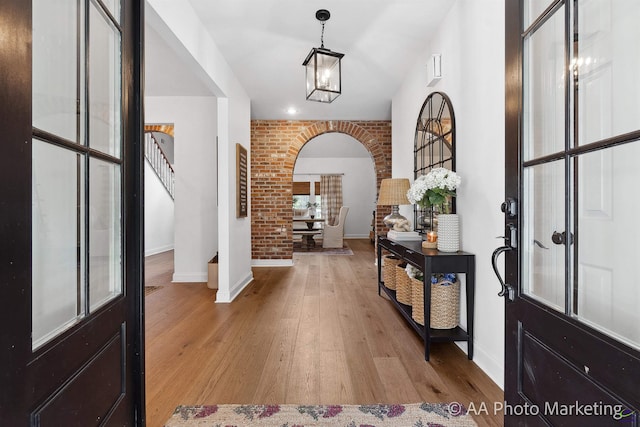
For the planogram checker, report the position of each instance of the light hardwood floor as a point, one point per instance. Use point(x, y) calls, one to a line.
point(315, 333)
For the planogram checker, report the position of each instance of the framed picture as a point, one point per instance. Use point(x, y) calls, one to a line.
point(241, 182)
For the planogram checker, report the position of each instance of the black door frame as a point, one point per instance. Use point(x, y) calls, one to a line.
point(616, 376)
point(16, 212)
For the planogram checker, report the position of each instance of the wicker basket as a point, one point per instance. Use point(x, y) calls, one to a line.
point(403, 285)
point(445, 304)
point(417, 301)
point(389, 271)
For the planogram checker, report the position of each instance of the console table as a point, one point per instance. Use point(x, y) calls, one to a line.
point(432, 261)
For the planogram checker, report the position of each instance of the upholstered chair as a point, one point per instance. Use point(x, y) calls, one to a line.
point(333, 235)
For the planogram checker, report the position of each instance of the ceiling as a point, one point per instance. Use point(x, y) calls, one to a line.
point(266, 41)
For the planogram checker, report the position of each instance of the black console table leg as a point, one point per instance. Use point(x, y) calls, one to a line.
point(471, 286)
point(379, 251)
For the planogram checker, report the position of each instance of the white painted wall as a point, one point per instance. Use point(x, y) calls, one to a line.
point(358, 188)
point(196, 214)
point(158, 214)
point(182, 28)
point(471, 41)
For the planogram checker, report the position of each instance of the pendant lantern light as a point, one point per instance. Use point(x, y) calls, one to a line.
point(322, 67)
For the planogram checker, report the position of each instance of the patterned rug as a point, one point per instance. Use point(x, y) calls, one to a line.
point(298, 248)
point(411, 415)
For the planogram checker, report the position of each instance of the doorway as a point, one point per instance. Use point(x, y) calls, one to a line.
point(572, 141)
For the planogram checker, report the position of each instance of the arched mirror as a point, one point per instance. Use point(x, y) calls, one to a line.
point(434, 147)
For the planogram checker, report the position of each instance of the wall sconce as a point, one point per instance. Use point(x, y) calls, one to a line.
point(323, 69)
point(434, 69)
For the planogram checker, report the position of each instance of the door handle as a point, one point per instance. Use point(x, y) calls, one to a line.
point(561, 238)
point(509, 207)
point(506, 289)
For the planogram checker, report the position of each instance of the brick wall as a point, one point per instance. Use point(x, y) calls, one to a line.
point(275, 145)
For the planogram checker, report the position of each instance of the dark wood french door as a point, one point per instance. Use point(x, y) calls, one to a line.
point(71, 234)
point(572, 290)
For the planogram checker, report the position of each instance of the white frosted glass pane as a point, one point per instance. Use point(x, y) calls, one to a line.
point(114, 8)
point(607, 67)
point(543, 214)
point(55, 67)
point(105, 112)
point(533, 9)
point(608, 249)
point(544, 89)
point(57, 198)
point(105, 249)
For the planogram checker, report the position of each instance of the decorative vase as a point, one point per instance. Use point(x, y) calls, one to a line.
point(448, 233)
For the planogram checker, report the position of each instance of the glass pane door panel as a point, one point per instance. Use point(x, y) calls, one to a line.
point(608, 294)
point(543, 271)
point(607, 66)
point(55, 67)
point(58, 240)
point(105, 246)
point(533, 9)
point(113, 6)
point(544, 89)
point(105, 97)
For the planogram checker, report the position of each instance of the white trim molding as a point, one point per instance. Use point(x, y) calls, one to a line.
point(224, 296)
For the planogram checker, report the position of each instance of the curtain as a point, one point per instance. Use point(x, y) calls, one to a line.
point(331, 193)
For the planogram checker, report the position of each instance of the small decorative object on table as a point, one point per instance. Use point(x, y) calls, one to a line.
point(435, 189)
point(312, 209)
point(432, 240)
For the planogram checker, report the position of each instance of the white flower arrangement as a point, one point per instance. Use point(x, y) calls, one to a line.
point(434, 188)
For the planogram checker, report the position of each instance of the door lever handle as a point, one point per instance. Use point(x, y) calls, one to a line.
point(506, 289)
point(538, 243)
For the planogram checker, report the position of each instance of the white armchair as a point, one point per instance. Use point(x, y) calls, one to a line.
point(333, 235)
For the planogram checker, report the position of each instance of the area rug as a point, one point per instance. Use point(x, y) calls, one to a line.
point(298, 248)
point(406, 415)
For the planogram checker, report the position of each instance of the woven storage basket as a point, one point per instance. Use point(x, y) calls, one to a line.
point(417, 301)
point(389, 271)
point(403, 285)
point(445, 305)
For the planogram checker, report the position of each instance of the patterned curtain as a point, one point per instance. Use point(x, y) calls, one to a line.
point(331, 193)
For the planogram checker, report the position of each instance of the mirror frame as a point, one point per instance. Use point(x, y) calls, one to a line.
point(434, 146)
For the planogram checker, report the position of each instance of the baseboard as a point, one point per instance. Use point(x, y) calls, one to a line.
point(356, 236)
point(159, 250)
point(272, 263)
point(223, 296)
point(190, 277)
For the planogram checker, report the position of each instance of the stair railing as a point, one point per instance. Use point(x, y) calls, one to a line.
point(159, 162)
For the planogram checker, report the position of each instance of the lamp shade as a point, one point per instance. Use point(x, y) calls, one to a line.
point(323, 75)
point(393, 191)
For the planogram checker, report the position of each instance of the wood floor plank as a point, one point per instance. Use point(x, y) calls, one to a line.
point(314, 333)
point(395, 379)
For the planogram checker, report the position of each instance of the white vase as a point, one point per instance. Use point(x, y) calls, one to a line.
point(448, 233)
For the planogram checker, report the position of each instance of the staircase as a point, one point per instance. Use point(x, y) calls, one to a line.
point(159, 163)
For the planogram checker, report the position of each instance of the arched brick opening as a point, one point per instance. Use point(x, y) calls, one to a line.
point(275, 145)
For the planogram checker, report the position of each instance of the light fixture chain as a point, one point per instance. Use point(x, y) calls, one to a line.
point(322, 37)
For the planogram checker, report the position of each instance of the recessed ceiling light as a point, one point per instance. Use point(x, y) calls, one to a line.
point(292, 110)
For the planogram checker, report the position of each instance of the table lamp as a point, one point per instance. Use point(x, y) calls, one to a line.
point(393, 192)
